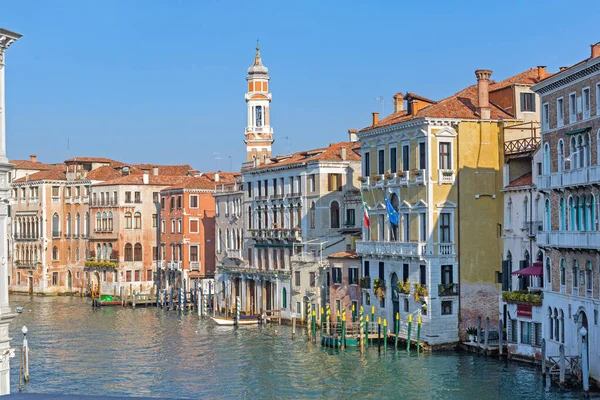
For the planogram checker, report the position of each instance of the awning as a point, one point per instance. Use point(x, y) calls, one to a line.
point(582, 130)
point(533, 270)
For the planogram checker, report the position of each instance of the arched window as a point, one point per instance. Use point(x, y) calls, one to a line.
point(98, 252)
point(104, 222)
point(68, 224)
point(334, 211)
point(563, 272)
point(551, 323)
point(77, 225)
point(284, 298)
point(571, 214)
point(137, 220)
point(110, 251)
point(104, 252)
point(526, 210)
point(548, 271)
point(561, 155)
point(220, 241)
point(575, 275)
point(589, 279)
point(588, 150)
point(561, 317)
point(556, 325)
point(86, 222)
point(55, 253)
point(562, 226)
point(98, 221)
point(128, 220)
point(172, 202)
point(227, 239)
point(55, 225)
point(546, 159)
point(128, 252)
point(110, 221)
point(137, 252)
point(313, 216)
point(548, 226)
point(593, 225)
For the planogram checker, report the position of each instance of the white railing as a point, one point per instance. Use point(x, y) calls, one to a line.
point(366, 183)
point(305, 257)
point(402, 248)
point(233, 254)
point(445, 176)
point(175, 265)
point(194, 265)
point(420, 177)
point(571, 177)
point(566, 239)
point(575, 291)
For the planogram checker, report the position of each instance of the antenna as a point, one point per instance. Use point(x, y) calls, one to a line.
point(382, 100)
point(218, 158)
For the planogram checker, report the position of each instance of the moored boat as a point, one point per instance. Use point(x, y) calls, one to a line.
point(244, 320)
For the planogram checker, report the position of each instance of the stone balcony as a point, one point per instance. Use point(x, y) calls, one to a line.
point(570, 178)
point(569, 239)
point(276, 234)
point(409, 249)
point(194, 266)
point(175, 265)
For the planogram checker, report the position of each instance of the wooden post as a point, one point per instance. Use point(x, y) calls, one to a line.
point(293, 327)
point(500, 338)
point(133, 299)
point(478, 331)
point(121, 295)
point(561, 364)
point(25, 356)
point(487, 332)
point(543, 357)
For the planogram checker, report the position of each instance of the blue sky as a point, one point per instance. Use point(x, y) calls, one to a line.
point(164, 81)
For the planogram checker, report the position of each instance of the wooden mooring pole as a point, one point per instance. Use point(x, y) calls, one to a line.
point(500, 338)
point(543, 357)
point(487, 332)
point(293, 327)
point(562, 365)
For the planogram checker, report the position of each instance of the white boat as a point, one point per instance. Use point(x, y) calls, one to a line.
point(19, 309)
point(244, 320)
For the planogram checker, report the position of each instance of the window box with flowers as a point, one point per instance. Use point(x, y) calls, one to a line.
point(404, 287)
point(388, 176)
point(379, 288)
point(365, 282)
point(420, 291)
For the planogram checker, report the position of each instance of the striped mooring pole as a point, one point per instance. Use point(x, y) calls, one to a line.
point(373, 316)
point(397, 330)
point(385, 335)
point(419, 332)
point(322, 320)
point(328, 318)
point(344, 330)
point(361, 319)
point(379, 333)
point(308, 320)
point(205, 303)
point(237, 310)
point(366, 331)
point(314, 324)
point(409, 331)
point(184, 295)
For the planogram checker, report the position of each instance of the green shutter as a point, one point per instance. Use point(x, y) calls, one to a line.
point(284, 299)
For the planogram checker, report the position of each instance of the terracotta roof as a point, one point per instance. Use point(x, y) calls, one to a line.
point(33, 165)
point(523, 180)
point(331, 153)
point(418, 97)
point(224, 177)
point(166, 169)
point(54, 174)
point(104, 173)
point(190, 182)
point(137, 179)
point(93, 160)
point(529, 77)
point(345, 254)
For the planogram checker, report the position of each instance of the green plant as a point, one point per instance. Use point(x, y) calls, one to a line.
point(472, 331)
point(388, 176)
point(404, 287)
point(365, 282)
point(379, 288)
point(420, 291)
point(101, 264)
point(522, 297)
point(378, 177)
point(363, 179)
point(447, 173)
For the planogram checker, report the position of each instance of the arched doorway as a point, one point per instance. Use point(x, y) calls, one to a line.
point(582, 322)
point(69, 280)
point(96, 283)
point(395, 299)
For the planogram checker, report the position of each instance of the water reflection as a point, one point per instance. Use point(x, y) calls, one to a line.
point(158, 353)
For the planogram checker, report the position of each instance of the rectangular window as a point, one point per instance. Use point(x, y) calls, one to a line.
point(560, 112)
point(127, 197)
point(55, 191)
point(445, 233)
point(194, 253)
point(193, 226)
point(179, 202)
point(367, 164)
point(525, 332)
point(173, 226)
point(366, 269)
point(381, 270)
point(163, 226)
point(193, 201)
point(155, 197)
point(447, 307)
point(54, 278)
point(406, 305)
point(585, 94)
point(296, 278)
point(334, 182)
point(179, 226)
point(312, 279)
point(336, 275)
point(406, 227)
point(528, 102)
point(393, 160)
point(311, 183)
point(381, 162)
point(405, 157)
point(422, 156)
point(423, 227)
point(537, 334)
point(154, 253)
point(447, 274)
point(367, 299)
point(350, 217)
point(423, 275)
point(353, 276)
point(598, 99)
point(137, 275)
point(138, 197)
point(154, 220)
point(162, 203)
point(127, 276)
point(149, 275)
point(546, 116)
point(512, 332)
point(572, 107)
point(445, 160)
point(405, 272)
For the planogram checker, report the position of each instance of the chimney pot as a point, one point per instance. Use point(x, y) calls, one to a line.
point(154, 170)
point(353, 135)
point(217, 176)
point(33, 158)
point(562, 68)
point(541, 71)
point(398, 102)
point(375, 118)
point(595, 50)
point(343, 153)
point(146, 178)
point(483, 95)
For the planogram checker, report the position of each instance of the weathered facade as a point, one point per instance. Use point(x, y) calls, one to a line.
point(345, 295)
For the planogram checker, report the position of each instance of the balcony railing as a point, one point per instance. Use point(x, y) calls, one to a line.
point(572, 177)
point(520, 146)
point(404, 248)
point(234, 254)
point(105, 202)
point(175, 265)
point(56, 234)
point(570, 240)
point(532, 227)
point(194, 265)
point(526, 297)
point(445, 176)
point(278, 234)
point(448, 289)
point(25, 237)
point(305, 258)
point(294, 195)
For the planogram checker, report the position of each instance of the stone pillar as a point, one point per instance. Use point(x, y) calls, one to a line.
point(6, 314)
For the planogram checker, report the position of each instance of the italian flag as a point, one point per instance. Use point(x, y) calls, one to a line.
point(365, 213)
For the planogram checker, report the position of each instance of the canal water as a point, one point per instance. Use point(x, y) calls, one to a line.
point(157, 353)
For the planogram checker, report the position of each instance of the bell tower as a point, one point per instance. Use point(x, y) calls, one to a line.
point(259, 134)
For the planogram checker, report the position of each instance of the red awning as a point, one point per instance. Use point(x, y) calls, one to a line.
point(533, 270)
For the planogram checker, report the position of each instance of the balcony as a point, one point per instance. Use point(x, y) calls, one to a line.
point(194, 265)
point(294, 195)
point(376, 248)
point(523, 297)
point(569, 240)
point(365, 182)
point(103, 230)
point(25, 238)
point(104, 203)
point(27, 264)
point(175, 265)
point(276, 234)
point(365, 282)
point(33, 200)
point(56, 234)
point(305, 258)
point(262, 198)
point(278, 196)
point(445, 176)
point(532, 227)
point(448, 289)
point(234, 254)
point(521, 146)
point(570, 178)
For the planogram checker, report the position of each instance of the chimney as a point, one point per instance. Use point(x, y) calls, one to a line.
point(33, 158)
point(217, 176)
point(343, 153)
point(353, 135)
point(483, 99)
point(595, 50)
point(541, 72)
point(375, 118)
point(154, 171)
point(146, 178)
point(125, 171)
point(398, 102)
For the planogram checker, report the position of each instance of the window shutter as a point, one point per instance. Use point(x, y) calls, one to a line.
point(505, 275)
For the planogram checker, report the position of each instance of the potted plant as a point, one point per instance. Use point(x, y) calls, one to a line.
point(447, 173)
point(362, 179)
point(420, 291)
point(388, 176)
point(379, 288)
point(378, 177)
point(404, 287)
point(471, 332)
